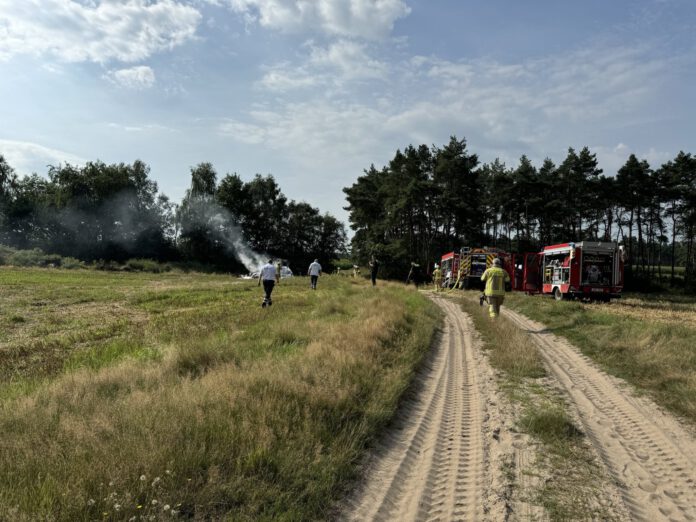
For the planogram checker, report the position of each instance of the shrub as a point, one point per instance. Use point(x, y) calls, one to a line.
point(146, 265)
point(70, 263)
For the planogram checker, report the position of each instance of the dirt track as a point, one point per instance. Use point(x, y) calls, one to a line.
point(651, 457)
point(433, 464)
point(442, 458)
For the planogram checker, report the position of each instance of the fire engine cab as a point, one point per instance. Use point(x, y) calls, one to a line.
point(589, 269)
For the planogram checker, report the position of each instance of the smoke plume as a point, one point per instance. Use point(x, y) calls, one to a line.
point(220, 226)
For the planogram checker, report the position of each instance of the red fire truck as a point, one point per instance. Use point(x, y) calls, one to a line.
point(474, 262)
point(589, 269)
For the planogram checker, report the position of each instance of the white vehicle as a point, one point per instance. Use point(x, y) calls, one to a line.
point(285, 272)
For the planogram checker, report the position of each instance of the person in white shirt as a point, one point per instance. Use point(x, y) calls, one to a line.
point(267, 275)
point(314, 272)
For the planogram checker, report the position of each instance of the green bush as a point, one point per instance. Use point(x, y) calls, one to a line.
point(146, 265)
point(5, 253)
point(34, 257)
point(71, 263)
point(102, 264)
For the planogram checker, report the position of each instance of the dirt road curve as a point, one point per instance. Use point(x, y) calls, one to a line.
point(431, 465)
point(651, 457)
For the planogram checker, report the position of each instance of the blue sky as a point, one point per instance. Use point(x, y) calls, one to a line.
point(314, 91)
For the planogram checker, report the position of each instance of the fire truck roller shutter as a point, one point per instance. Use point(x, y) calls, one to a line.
point(466, 264)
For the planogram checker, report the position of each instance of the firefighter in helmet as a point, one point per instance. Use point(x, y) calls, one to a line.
point(495, 278)
point(437, 278)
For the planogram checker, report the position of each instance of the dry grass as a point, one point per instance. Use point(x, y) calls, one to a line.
point(658, 309)
point(643, 341)
point(217, 408)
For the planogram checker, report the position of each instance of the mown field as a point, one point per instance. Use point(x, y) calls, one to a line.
point(175, 395)
point(648, 340)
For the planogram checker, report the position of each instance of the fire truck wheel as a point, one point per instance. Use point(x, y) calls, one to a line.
point(558, 295)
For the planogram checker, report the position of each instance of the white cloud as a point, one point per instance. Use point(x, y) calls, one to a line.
point(371, 19)
point(95, 31)
point(27, 157)
point(251, 134)
point(138, 78)
point(349, 59)
point(535, 107)
point(147, 127)
point(340, 62)
point(313, 130)
point(284, 77)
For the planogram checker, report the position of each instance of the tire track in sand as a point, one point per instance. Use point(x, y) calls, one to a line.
point(651, 457)
point(433, 468)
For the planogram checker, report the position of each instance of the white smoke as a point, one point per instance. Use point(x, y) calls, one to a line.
point(231, 236)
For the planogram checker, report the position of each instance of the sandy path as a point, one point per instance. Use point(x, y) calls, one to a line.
point(650, 455)
point(432, 464)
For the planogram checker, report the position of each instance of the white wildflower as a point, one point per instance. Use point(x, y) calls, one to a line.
point(154, 502)
point(156, 481)
point(90, 502)
point(143, 478)
point(117, 507)
point(166, 507)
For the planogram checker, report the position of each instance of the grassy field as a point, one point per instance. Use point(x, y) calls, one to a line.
point(648, 340)
point(570, 478)
point(175, 395)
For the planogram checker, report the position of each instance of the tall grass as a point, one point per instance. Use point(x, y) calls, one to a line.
point(243, 413)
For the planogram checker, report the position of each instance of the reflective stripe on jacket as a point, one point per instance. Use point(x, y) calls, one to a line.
point(495, 279)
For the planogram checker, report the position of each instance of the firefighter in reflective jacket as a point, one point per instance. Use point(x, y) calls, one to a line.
point(437, 278)
point(495, 278)
point(460, 276)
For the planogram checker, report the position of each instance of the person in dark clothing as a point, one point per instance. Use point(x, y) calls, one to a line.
point(374, 267)
point(415, 275)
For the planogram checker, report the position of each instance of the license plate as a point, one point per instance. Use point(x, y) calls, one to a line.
point(598, 289)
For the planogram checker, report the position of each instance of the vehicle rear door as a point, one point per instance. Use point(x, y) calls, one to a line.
point(531, 273)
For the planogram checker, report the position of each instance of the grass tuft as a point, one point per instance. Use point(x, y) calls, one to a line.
point(551, 424)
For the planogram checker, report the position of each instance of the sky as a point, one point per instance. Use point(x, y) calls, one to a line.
point(315, 91)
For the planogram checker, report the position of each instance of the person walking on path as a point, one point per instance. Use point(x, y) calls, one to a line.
point(374, 267)
point(437, 278)
point(314, 271)
point(495, 278)
point(268, 276)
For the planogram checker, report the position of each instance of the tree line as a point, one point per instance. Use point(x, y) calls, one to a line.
point(430, 200)
point(115, 212)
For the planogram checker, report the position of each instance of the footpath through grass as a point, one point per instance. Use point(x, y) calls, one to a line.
point(176, 395)
point(648, 341)
point(569, 478)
